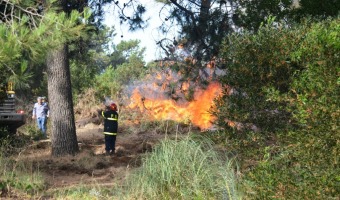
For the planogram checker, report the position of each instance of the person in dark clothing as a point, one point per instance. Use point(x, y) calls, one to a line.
point(110, 116)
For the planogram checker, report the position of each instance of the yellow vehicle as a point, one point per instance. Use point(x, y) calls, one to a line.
point(9, 116)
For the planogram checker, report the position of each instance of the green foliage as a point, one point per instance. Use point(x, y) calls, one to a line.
point(4, 132)
point(84, 192)
point(125, 51)
point(251, 14)
point(108, 83)
point(23, 78)
point(21, 180)
point(303, 166)
point(313, 97)
point(169, 173)
point(129, 48)
point(82, 76)
point(294, 72)
point(255, 63)
point(321, 9)
point(89, 56)
point(112, 80)
point(33, 132)
point(18, 38)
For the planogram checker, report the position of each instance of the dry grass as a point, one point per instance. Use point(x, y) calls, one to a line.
point(87, 105)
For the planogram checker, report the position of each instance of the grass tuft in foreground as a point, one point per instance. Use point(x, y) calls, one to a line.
point(186, 169)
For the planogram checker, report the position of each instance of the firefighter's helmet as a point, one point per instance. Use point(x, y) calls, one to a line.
point(113, 106)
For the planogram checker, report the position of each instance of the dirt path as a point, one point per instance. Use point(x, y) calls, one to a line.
point(90, 166)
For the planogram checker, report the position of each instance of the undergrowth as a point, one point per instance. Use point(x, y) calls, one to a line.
point(17, 178)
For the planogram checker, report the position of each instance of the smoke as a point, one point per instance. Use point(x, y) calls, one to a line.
point(168, 84)
point(163, 85)
point(107, 101)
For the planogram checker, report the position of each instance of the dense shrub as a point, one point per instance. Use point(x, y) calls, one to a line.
point(286, 82)
point(111, 82)
point(255, 63)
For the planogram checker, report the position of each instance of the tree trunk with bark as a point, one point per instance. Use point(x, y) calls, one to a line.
point(64, 138)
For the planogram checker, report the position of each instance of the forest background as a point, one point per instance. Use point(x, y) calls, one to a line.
point(277, 116)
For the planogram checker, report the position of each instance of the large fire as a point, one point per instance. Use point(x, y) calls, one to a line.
point(195, 111)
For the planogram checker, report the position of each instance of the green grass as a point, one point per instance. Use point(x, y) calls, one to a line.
point(84, 192)
point(186, 169)
point(23, 178)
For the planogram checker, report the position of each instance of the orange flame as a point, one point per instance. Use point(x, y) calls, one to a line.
point(196, 111)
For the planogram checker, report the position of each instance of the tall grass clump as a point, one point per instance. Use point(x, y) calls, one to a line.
point(185, 169)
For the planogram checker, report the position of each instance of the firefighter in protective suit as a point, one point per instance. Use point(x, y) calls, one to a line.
point(110, 116)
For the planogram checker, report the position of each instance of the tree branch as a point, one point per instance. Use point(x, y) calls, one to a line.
point(184, 9)
point(9, 17)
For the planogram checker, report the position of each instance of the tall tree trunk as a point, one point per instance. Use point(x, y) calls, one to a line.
point(64, 138)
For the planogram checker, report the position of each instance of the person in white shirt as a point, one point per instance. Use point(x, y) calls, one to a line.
point(40, 113)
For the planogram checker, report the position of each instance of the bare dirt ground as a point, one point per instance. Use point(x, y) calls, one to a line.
point(90, 166)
